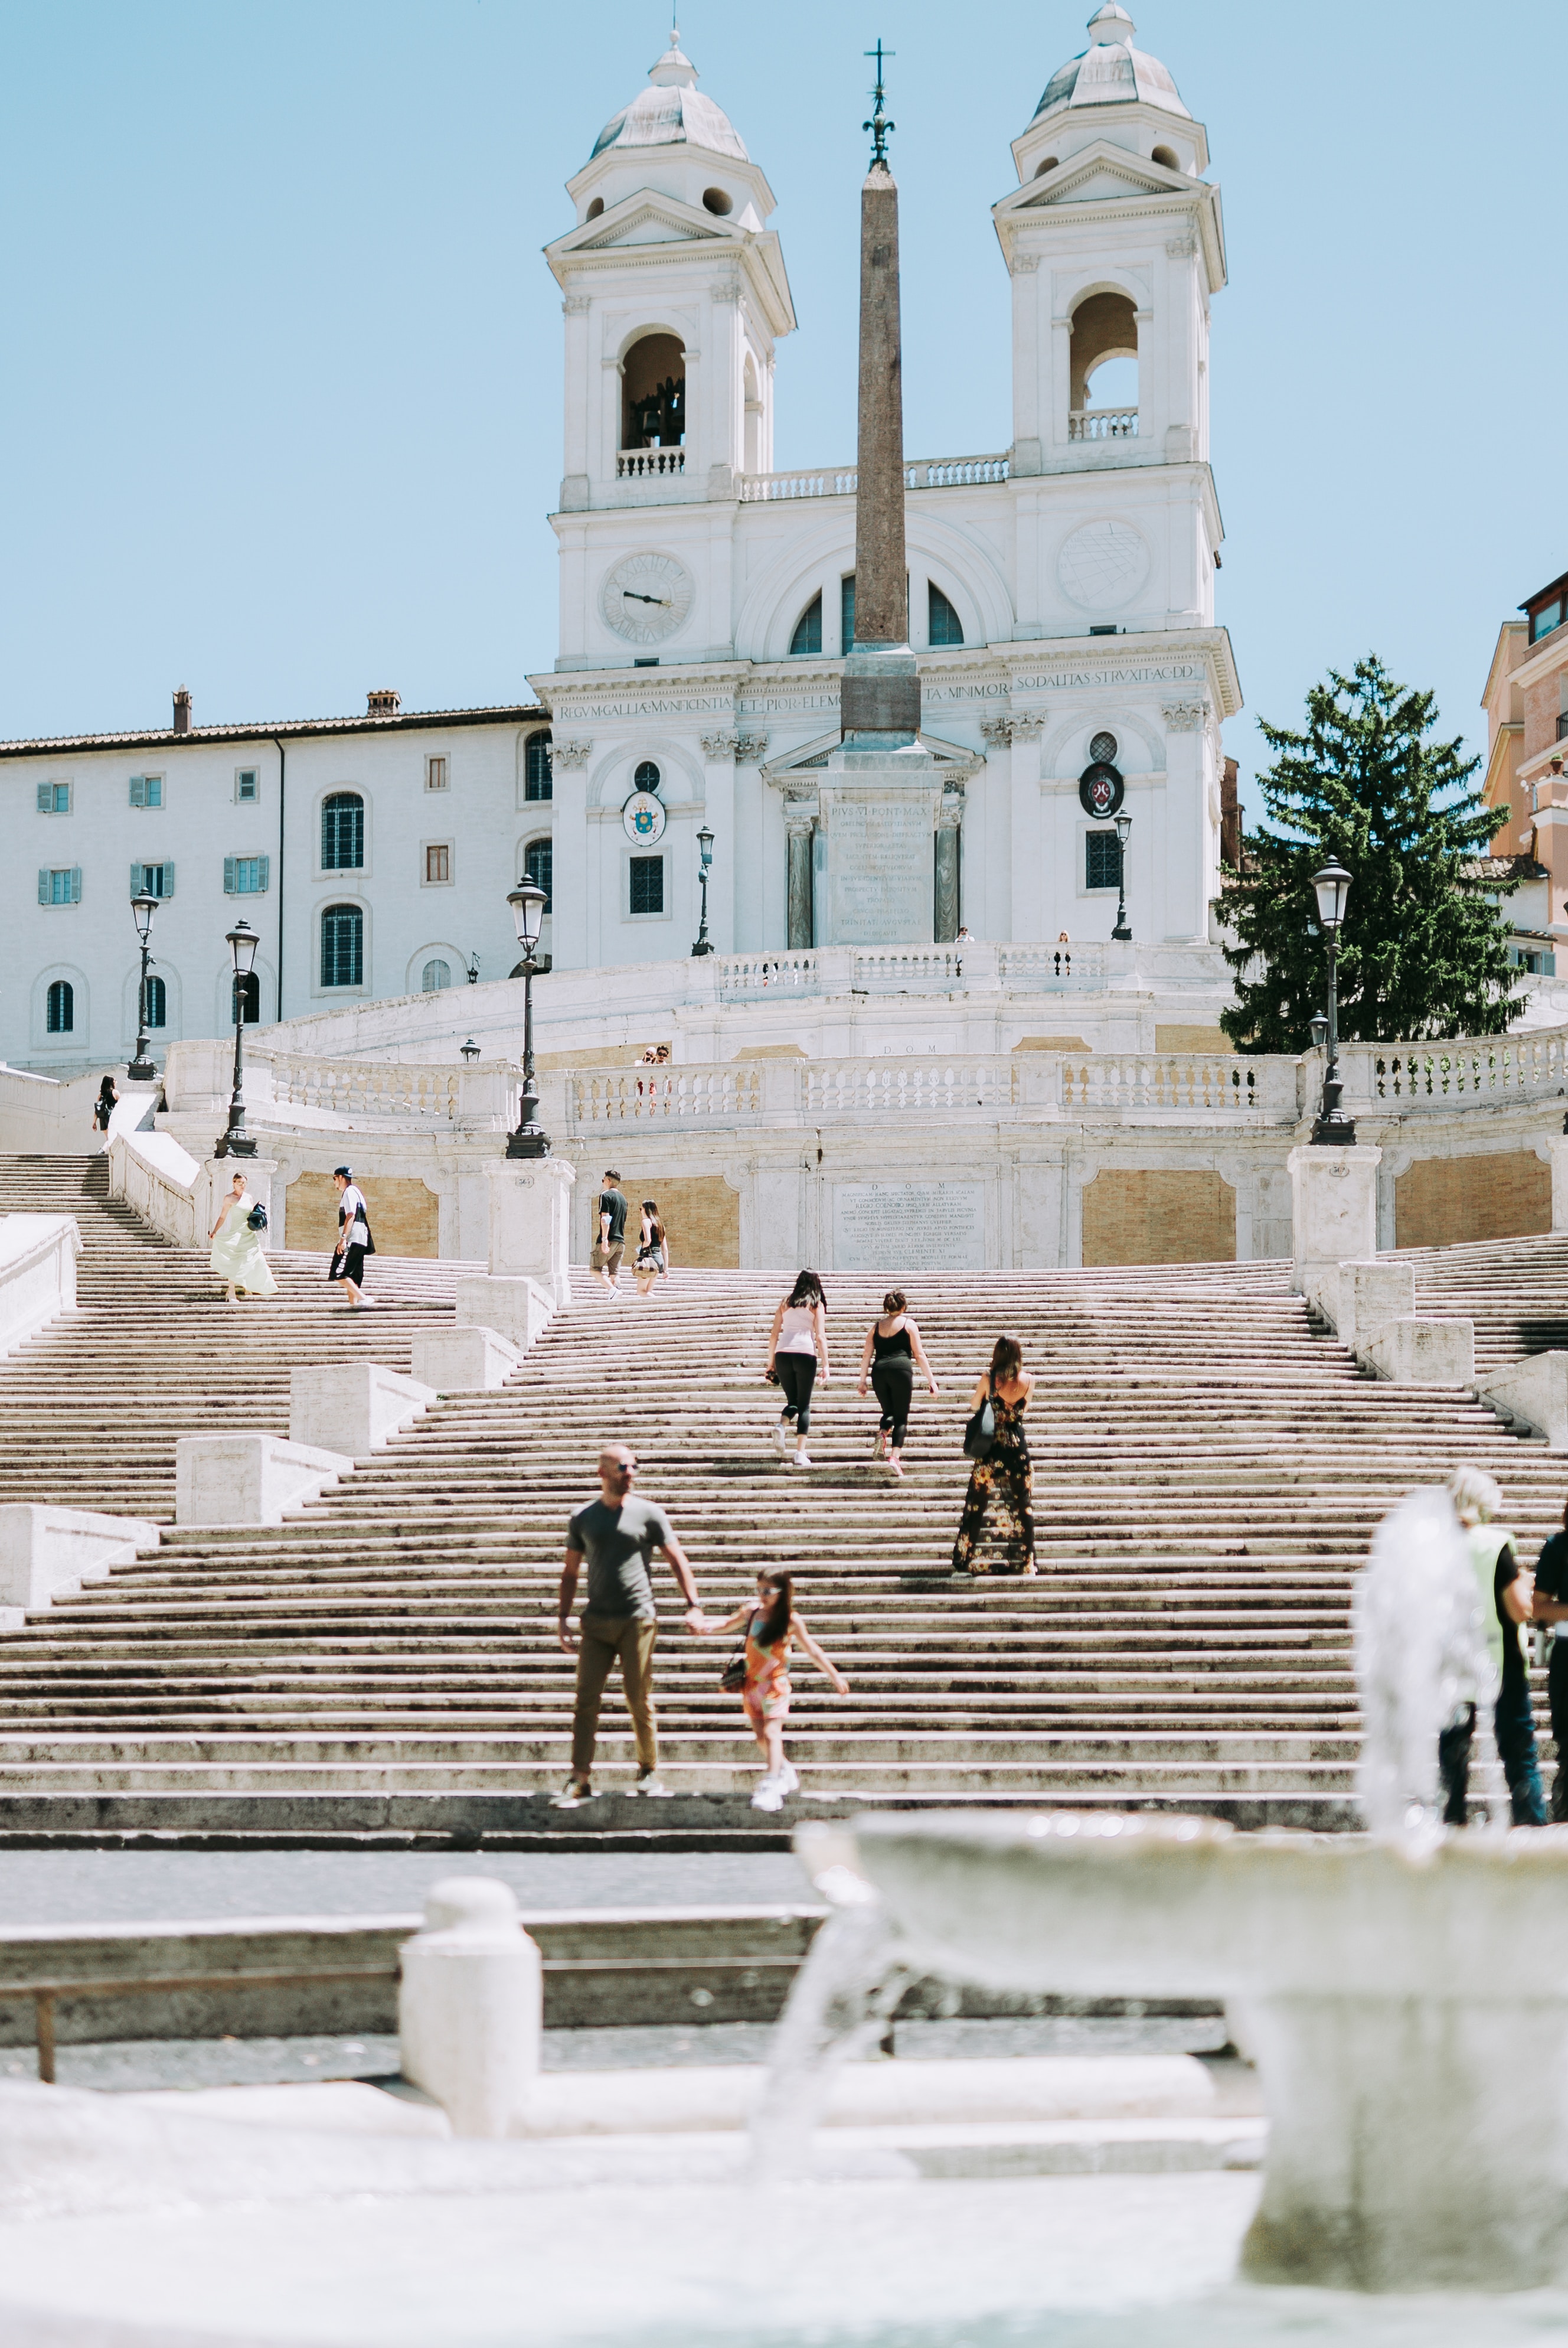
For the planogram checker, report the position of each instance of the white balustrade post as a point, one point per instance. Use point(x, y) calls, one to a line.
point(470, 2007)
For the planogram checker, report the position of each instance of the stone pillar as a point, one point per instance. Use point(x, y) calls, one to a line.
point(1559, 1150)
point(950, 826)
point(573, 919)
point(800, 825)
point(530, 1200)
point(880, 695)
point(1182, 914)
point(719, 752)
point(470, 2007)
point(1333, 1209)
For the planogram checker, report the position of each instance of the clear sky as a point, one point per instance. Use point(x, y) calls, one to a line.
point(280, 400)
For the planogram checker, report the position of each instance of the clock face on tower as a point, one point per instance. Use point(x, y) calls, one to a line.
point(647, 597)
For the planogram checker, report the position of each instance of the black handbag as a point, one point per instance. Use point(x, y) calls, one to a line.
point(256, 1220)
point(733, 1677)
point(980, 1432)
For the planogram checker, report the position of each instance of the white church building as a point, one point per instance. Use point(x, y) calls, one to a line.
point(1061, 604)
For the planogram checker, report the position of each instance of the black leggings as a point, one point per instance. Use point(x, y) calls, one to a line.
point(893, 1383)
point(797, 1376)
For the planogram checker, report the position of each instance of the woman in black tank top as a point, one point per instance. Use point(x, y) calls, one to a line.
point(892, 1348)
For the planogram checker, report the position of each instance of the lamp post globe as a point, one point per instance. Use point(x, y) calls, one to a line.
point(1123, 828)
point(470, 1051)
point(141, 1070)
point(234, 1142)
point(527, 901)
point(1331, 887)
point(1319, 1025)
point(703, 944)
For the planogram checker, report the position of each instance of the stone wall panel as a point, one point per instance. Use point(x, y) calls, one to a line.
point(1151, 1215)
point(1443, 1201)
point(402, 1214)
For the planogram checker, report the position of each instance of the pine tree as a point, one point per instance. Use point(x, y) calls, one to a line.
point(1424, 949)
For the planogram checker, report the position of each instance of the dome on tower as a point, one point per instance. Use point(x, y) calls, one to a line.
point(674, 113)
point(1112, 72)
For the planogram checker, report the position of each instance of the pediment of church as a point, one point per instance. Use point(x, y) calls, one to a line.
point(799, 766)
point(1098, 173)
point(647, 217)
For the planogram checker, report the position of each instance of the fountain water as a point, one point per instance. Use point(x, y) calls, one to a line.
point(1404, 1994)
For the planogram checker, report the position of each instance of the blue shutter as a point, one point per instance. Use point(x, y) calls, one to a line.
point(264, 870)
point(228, 883)
point(75, 884)
point(167, 890)
point(139, 790)
point(45, 799)
point(43, 884)
point(136, 879)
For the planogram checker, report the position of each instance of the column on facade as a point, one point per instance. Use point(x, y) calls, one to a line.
point(574, 930)
point(1060, 360)
point(1021, 901)
point(1031, 428)
point(748, 862)
point(949, 828)
point(574, 459)
point(720, 417)
point(800, 829)
point(1184, 864)
point(719, 751)
point(1177, 416)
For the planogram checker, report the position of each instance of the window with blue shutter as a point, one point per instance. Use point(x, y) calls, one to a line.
point(246, 876)
point(60, 885)
point(155, 879)
point(147, 790)
point(54, 798)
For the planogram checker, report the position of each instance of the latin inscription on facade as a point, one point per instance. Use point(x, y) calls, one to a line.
point(909, 1226)
point(880, 870)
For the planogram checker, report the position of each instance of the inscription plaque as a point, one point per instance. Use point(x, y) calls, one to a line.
point(880, 869)
point(901, 1226)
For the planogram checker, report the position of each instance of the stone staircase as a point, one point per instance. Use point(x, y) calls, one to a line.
point(1208, 1473)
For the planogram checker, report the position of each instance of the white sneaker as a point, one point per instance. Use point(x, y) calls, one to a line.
point(769, 1796)
point(801, 1459)
point(789, 1778)
point(785, 1434)
point(648, 1784)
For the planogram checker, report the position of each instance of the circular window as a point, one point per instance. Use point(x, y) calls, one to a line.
point(1102, 748)
point(714, 200)
point(647, 776)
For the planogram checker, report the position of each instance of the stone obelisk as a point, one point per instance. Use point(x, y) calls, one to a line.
point(881, 691)
point(880, 792)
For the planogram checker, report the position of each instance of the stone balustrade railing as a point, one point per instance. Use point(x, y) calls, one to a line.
point(1103, 423)
point(910, 969)
point(1500, 1071)
point(649, 464)
point(730, 1095)
point(840, 480)
point(161, 1182)
point(339, 1085)
point(37, 1274)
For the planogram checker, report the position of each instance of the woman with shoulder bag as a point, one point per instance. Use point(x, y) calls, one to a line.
point(353, 1240)
point(237, 1256)
point(652, 1261)
point(797, 1344)
point(996, 1531)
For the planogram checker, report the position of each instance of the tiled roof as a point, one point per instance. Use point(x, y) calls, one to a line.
point(407, 721)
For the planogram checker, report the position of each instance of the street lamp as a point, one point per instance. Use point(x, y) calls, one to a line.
point(1332, 887)
point(527, 901)
point(141, 1070)
point(470, 1051)
point(234, 1142)
point(1123, 826)
point(706, 844)
point(1318, 1024)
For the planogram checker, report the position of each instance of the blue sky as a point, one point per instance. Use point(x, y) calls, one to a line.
point(280, 401)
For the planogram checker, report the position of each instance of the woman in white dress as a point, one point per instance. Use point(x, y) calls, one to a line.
point(237, 1256)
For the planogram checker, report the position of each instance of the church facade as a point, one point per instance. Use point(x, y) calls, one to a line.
point(1060, 591)
point(1060, 608)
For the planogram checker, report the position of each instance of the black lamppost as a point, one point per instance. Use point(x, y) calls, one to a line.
point(1123, 826)
point(470, 1051)
point(705, 845)
point(1332, 886)
point(234, 1142)
point(141, 1070)
point(527, 901)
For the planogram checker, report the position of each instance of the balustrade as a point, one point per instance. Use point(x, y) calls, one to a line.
point(763, 973)
point(841, 480)
point(1103, 423)
point(867, 1086)
point(648, 464)
point(1497, 1068)
point(1185, 1083)
point(721, 1095)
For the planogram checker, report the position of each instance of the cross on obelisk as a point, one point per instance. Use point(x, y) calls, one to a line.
point(881, 688)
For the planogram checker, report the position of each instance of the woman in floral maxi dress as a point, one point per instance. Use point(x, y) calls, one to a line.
point(996, 1531)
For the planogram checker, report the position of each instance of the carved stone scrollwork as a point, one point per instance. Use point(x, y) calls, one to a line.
point(1024, 265)
point(716, 746)
point(1026, 729)
point(1183, 247)
point(996, 731)
point(575, 304)
point(1184, 717)
point(950, 808)
point(751, 749)
point(569, 754)
point(800, 816)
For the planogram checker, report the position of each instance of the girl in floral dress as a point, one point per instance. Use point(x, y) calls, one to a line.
point(772, 1624)
point(996, 1531)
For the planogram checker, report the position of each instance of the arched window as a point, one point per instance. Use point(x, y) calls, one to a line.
point(343, 946)
point(245, 1000)
point(944, 627)
point(1104, 329)
point(61, 1014)
point(654, 394)
point(847, 611)
point(537, 783)
point(538, 863)
point(436, 975)
point(157, 1003)
point(808, 637)
point(647, 776)
point(343, 832)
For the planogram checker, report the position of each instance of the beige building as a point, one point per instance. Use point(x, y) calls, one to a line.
point(1526, 704)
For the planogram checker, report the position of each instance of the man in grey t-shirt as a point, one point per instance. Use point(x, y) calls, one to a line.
point(618, 1534)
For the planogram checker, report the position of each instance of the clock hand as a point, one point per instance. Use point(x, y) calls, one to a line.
point(663, 601)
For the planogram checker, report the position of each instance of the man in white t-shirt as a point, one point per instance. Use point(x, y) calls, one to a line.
point(353, 1238)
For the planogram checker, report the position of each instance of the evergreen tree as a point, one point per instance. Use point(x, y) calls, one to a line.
point(1423, 952)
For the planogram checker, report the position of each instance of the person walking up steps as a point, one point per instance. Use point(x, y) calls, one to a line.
point(798, 1343)
point(772, 1624)
point(652, 1259)
point(104, 1107)
point(618, 1534)
point(999, 1509)
point(892, 1349)
point(1504, 1591)
point(237, 1256)
point(1549, 1606)
point(610, 1211)
point(353, 1240)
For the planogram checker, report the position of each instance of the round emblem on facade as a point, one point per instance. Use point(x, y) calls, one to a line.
point(1103, 565)
point(1100, 790)
point(647, 597)
point(1102, 749)
point(644, 819)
